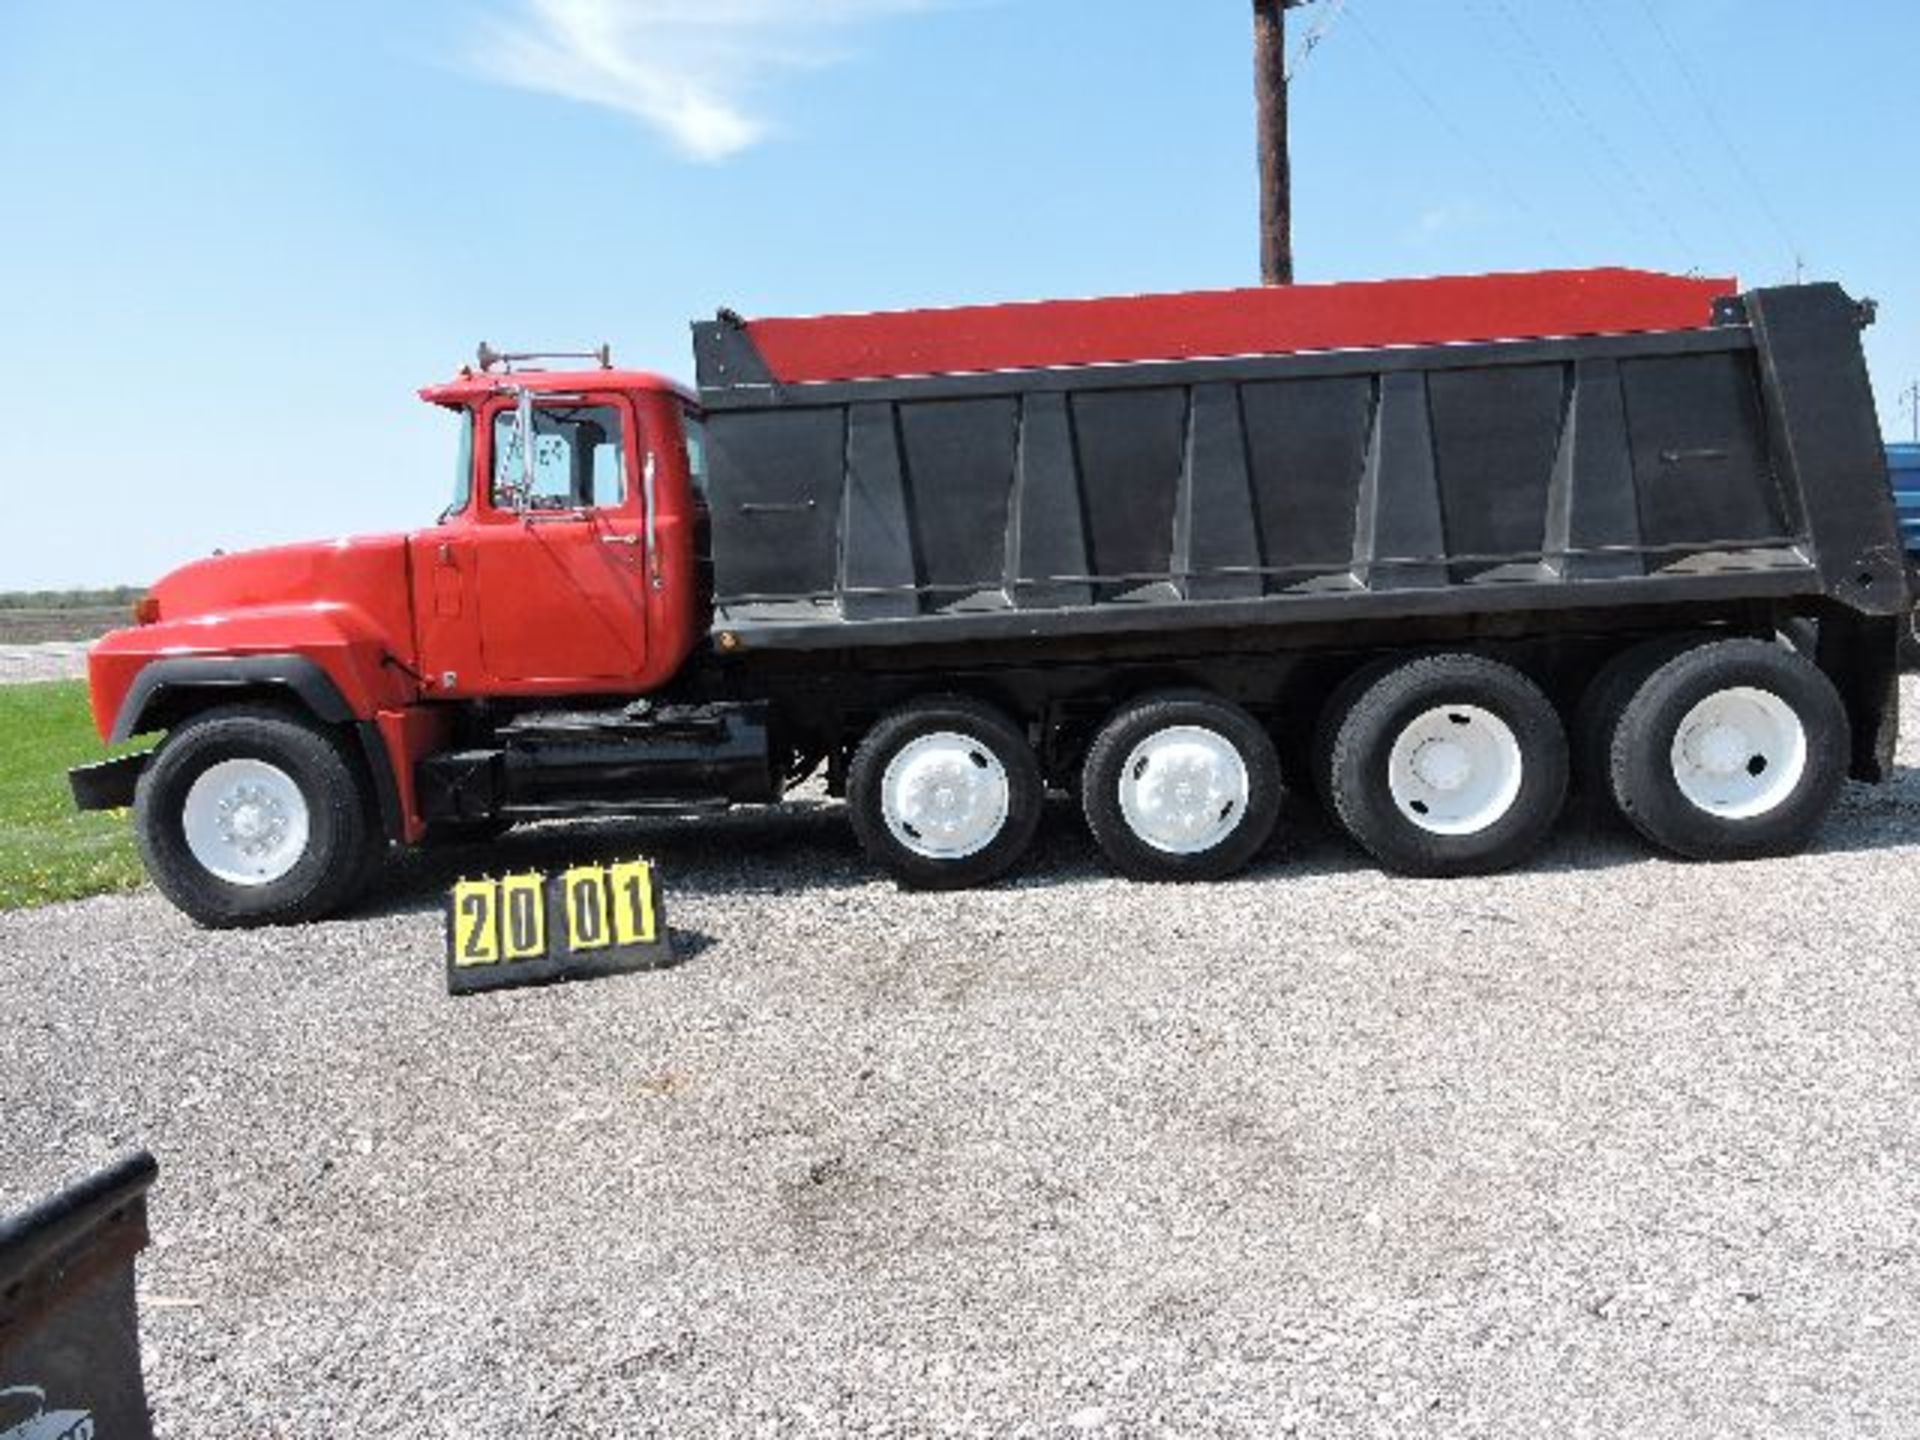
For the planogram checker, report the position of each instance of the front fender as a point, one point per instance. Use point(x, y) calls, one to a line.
point(330, 658)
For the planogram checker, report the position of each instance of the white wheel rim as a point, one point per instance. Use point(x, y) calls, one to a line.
point(945, 796)
point(246, 822)
point(1455, 770)
point(1183, 790)
point(1739, 753)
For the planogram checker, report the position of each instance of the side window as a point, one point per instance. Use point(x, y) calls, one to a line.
point(462, 469)
point(579, 459)
point(696, 429)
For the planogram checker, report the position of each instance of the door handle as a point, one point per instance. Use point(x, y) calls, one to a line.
point(619, 539)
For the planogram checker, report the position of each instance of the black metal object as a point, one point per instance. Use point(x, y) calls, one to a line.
point(1163, 516)
point(69, 1329)
point(1732, 462)
point(386, 785)
point(109, 785)
point(614, 761)
point(148, 705)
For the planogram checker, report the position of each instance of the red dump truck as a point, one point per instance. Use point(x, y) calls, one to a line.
point(1431, 548)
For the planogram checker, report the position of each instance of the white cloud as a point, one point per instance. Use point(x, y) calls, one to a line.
point(687, 68)
point(1449, 217)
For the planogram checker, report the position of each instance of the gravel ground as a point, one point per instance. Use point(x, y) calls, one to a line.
point(54, 660)
point(1613, 1146)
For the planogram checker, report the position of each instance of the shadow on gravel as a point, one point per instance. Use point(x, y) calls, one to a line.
point(807, 845)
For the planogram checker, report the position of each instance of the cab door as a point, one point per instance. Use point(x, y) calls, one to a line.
point(558, 570)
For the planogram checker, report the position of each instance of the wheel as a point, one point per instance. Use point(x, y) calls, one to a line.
point(1448, 765)
point(945, 793)
point(1181, 786)
point(1333, 715)
point(251, 816)
point(1600, 705)
point(1730, 750)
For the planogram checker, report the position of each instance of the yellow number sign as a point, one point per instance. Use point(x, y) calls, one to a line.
point(476, 923)
point(607, 917)
point(585, 888)
point(633, 909)
point(523, 917)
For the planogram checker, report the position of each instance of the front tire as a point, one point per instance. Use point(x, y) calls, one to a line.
point(1729, 751)
point(1181, 787)
point(945, 794)
point(249, 816)
point(1448, 765)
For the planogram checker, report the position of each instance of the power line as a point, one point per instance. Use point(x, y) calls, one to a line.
point(1523, 75)
point(1713, 119)
point(1467, 143)
point(1664, 130)
point(1595, 131)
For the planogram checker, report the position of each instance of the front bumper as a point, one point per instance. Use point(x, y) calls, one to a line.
point(108, 785)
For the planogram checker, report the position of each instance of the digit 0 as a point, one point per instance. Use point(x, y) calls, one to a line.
point(524, 915)
point(586, 892)
point(523, 920)
point(586, 910)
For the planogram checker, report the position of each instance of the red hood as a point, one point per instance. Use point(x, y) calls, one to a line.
point(344, 604)
point(367, 573)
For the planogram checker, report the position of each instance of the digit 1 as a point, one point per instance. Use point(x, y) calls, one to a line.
point(638, 908)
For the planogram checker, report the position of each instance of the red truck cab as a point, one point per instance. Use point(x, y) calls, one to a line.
point(563, 567)
point(572, 574)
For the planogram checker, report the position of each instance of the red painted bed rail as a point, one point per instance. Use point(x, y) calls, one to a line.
point(1207, 324)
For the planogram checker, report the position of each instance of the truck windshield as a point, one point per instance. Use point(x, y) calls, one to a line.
point(463, 468)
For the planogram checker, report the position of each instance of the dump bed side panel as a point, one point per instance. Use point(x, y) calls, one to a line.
point(1538, 474)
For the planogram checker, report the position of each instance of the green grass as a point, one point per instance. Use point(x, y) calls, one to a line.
point(48, 850)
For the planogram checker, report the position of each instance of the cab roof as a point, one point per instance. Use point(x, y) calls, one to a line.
point(471, 385)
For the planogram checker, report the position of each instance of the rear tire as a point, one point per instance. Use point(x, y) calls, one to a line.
point(1181, 786)
point(253, 816)
point(945, 794)
point(1598, 712)
point(1731, 750)
point(1448, 765)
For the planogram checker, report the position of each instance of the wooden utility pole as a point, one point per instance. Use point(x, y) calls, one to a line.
point(1276, 177)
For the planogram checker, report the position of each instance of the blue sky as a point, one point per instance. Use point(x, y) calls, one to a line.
point(237, 236)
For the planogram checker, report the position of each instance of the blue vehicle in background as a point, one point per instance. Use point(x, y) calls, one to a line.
point(1903, 470)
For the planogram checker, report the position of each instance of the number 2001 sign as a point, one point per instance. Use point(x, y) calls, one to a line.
point(527, 929)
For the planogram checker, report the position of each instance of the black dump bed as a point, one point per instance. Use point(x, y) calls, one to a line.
point(1741, 461)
